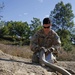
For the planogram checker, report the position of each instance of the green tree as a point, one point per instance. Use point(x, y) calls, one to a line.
point(17, 31)
point(22, 29)
point(10, 27)
point(4, 31)
point(1, 7)
point(65, 36)
point(62, 16)
point(73, 30)
point(36, 25)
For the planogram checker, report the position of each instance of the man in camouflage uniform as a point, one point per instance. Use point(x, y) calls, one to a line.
point(45, 38)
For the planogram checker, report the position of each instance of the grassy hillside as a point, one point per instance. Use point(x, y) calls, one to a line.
point(10, 48)
point(24, 51)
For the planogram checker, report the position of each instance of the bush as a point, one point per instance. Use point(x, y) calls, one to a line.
point(67, 47)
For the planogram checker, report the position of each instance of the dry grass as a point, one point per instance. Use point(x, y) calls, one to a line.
point(21, 51)
point(24, 51)
point(70, 56)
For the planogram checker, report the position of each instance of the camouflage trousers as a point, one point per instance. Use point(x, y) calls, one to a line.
point(35, 58)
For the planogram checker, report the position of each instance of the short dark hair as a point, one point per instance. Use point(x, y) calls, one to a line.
point(46, 21)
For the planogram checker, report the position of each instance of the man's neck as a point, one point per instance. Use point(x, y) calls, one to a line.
point(46, 32)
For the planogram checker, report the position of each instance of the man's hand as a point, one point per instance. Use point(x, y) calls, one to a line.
point(54, 51)
point(43, 48)
point(51, 49)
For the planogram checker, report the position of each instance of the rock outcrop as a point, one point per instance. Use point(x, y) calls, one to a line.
point(11, 65)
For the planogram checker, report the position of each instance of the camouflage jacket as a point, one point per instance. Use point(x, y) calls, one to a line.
point(40, 39)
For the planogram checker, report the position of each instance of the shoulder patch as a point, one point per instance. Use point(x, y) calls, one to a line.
point(56, 37)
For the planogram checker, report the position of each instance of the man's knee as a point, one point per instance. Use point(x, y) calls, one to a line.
point(35, 58)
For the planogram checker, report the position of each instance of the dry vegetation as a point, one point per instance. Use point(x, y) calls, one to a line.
point(70, 56)
point(21, 51)
point(24, 51)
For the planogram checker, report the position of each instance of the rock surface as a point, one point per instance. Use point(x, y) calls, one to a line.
point(11, 65)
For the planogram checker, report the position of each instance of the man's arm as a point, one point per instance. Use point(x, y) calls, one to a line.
point(56, 42)
point(34, 43)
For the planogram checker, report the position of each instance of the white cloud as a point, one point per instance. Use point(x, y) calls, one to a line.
point(41, 1)
point(25, 13)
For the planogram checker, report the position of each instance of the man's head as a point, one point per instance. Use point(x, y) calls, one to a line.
point(46, 23)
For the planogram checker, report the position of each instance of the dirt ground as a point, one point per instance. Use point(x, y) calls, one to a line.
point(12, 65)
point(17, 65)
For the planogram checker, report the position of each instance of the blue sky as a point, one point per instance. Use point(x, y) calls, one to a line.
point(25, 10)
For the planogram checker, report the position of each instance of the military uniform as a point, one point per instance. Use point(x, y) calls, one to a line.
point(40, 39)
